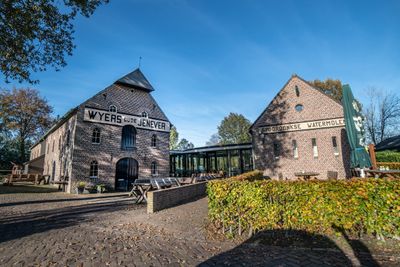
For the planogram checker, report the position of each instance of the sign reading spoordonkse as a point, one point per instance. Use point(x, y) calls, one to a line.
point(302, 126)
point(106, 117)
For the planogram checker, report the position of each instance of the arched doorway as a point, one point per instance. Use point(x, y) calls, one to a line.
point(126, 173)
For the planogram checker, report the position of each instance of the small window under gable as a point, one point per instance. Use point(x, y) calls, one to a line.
point(296, 88)
point(144, 114)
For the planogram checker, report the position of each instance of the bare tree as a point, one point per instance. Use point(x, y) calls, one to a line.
point(382, 115)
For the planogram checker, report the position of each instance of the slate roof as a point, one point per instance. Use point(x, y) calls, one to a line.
point(392, 143)
point(136, 79)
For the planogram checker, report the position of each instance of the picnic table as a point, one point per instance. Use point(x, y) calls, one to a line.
point(141, 186)
point(384, 173)
point(306, 175)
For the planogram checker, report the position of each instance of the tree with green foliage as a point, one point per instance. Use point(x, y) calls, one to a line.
point(175, 143)
point(173, 138)
point(185, 144)
point(214, 140)
point(25, 115)
point(234, 129)
point(330, 87)
point(38, 34)
point(8, 151)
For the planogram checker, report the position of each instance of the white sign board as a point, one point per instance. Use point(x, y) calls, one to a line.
point(106, 117)
point(302, 126)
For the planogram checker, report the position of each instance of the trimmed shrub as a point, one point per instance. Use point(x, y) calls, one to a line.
point(249, 176)
point(358, 206)
point(388, 156)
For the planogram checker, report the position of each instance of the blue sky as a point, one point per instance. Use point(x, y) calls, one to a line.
point(208, 58)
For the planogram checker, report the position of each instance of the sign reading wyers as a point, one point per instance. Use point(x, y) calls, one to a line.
point(302, 126)
point(106, 117)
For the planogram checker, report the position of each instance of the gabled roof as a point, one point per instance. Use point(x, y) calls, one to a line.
point(291, 78)
point(392, 143)
point(57, 124)
point(136, 79)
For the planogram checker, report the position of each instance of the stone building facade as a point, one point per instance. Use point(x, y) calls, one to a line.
point(302, 129)
point(112, 138)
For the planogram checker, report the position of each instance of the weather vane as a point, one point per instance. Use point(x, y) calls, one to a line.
point(140, 61)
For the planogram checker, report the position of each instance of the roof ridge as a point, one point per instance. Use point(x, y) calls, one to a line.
point(136, 79)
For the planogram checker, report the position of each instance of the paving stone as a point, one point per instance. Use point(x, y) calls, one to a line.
point(55, 229)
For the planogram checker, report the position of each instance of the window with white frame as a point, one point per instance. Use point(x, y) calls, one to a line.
point(94, 169)
point(314, 147)
point(295, 149)
point(96, 136)
point(335, 146)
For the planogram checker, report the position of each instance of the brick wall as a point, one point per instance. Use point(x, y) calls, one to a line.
point(167, 198)
point(109, 152)
point(59, 146)
point(74, 160)
point(317, 106)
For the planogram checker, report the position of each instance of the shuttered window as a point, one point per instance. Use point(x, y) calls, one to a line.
point(128, 137)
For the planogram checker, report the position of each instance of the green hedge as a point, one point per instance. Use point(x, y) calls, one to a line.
point(369, 206)
point(387, 156)
point(249, 176)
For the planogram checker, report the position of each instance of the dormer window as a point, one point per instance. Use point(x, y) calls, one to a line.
point(112, 108)
point(144, 114)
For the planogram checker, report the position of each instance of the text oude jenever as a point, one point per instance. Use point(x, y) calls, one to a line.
point(101, 116)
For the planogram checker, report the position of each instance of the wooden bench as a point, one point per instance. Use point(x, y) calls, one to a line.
point(33, 178)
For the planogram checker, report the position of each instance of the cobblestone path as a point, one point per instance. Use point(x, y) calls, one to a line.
point(56, 229)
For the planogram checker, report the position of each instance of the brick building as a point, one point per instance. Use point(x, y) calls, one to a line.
point(114, 137)
point(302, 129)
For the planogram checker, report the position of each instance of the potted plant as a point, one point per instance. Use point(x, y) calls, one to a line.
point(101, 188)
point(80, 187)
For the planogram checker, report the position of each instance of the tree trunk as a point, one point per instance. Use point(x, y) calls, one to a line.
point(22, 156)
